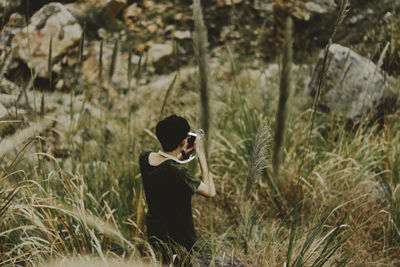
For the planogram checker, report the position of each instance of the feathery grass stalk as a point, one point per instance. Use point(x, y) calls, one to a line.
point(344, 6)
point(258, 158)
point(200, 46)
point(285, 89)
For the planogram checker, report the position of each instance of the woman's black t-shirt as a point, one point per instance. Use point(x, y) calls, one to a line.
point(169, 188)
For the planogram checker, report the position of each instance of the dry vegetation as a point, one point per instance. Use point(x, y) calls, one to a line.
point(334, 201)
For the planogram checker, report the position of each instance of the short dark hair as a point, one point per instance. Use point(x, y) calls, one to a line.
point(171, 131)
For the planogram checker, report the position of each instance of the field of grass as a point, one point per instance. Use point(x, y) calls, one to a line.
point(327, 193)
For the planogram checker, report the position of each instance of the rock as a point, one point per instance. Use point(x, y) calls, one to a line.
point(160, 55)
point(13, 26)
point(91, 64)
point(6, 56)
point(51, 20)
point(229, 33)
point(264, 5)
point(319, 7)
point(354, 85)
point(181, 35)
point(3, 112)
point(148, 4)
point(132, 15)
point(114, 7)
point(8, 7)
point(228, 2)
point(8, 87)
point(90, 67)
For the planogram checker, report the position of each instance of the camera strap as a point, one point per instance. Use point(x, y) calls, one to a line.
point(168, 156)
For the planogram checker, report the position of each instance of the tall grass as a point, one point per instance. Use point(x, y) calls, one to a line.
point(89, 200)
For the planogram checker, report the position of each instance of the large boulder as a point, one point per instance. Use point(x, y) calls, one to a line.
point(51, 20)
point(353, 85)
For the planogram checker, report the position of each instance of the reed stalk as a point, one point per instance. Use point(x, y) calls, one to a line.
point(285, 90)
point(200, 42)
point(170, 87)
point(100, 66)
point(4, 14)
point(113, 62)
point(201, 50)
point(130, 69)
point(344, 8)
point(49, 75)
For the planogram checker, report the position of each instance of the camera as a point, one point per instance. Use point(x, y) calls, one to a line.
point(190, 139)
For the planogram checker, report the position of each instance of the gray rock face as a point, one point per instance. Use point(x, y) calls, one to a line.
point(354, 85)
point(51, 20)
